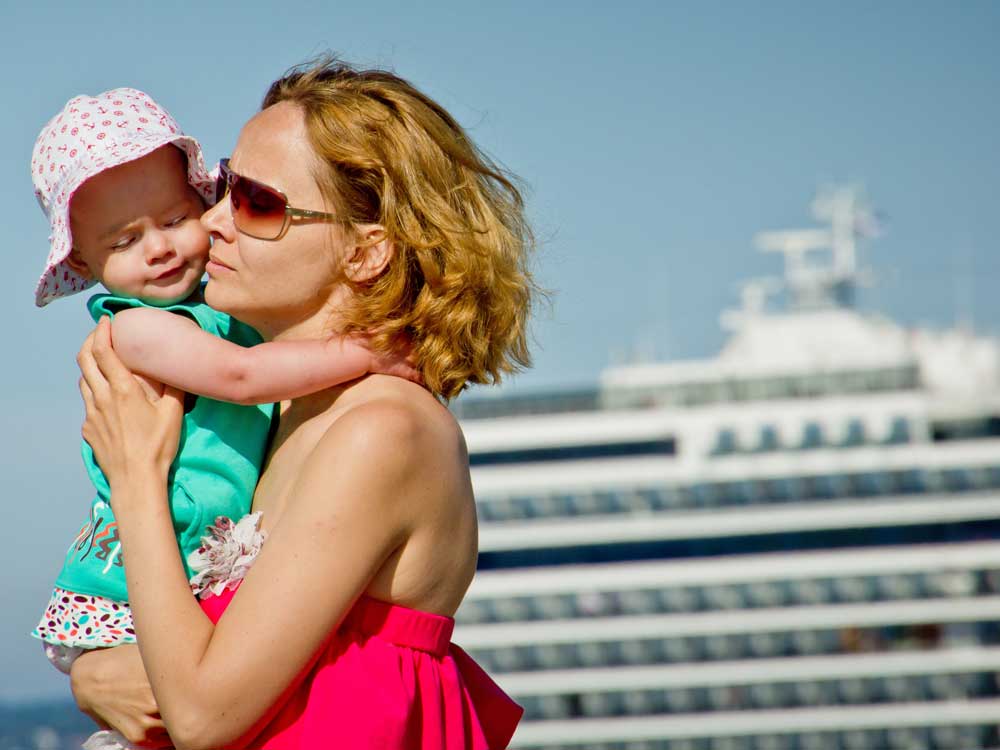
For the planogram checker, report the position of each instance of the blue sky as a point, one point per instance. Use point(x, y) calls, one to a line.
point(654, 138)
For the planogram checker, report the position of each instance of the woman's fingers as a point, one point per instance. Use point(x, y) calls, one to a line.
point(85, 392)
point(89, 407)
point(107, 361)
point(92, 374)
point(172, 400)
point(88, 397)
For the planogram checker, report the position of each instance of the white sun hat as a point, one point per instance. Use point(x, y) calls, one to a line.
point(92, 134)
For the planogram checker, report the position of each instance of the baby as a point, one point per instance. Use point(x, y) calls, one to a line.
point(123, 189)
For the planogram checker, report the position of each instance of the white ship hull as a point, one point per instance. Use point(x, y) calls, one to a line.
point(793, 545)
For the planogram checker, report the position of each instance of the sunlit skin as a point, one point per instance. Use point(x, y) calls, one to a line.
point(366, 488)
point(136, 229)
point(253, 279)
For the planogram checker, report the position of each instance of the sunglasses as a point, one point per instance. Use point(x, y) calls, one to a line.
point(259, 211)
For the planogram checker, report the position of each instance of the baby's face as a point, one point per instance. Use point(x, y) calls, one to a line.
point(136, 230)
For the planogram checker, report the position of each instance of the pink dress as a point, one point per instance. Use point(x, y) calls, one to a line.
point(387, 678)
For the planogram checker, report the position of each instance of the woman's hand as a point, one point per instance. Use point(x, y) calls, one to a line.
point(133, 429)
point(111, 687)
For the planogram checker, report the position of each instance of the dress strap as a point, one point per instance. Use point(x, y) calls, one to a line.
point(401, 625)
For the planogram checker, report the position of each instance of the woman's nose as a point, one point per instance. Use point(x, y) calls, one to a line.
point(218, 221)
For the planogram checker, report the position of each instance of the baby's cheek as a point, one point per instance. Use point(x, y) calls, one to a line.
point(197, 242)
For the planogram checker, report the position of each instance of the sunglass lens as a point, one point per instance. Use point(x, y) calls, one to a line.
point(222, 181)
point(257, 209)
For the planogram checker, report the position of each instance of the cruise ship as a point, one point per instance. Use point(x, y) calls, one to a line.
point(794, 545)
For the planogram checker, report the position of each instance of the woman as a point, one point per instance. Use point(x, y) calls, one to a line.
point(388, 220)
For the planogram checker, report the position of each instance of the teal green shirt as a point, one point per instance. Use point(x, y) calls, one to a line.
point(214, 474)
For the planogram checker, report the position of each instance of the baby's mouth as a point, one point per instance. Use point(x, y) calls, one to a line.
point(170, 273)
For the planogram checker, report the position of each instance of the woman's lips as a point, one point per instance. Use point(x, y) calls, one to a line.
point(215, 266)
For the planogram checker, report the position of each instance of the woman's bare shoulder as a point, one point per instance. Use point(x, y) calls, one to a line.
point(400, 424)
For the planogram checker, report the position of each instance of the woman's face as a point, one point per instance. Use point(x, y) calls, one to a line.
point(292, 285)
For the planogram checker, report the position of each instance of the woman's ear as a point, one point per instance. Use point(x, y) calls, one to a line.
point(75, 261)
point(371, 254)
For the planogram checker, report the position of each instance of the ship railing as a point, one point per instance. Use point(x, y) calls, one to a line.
point(754, 672)
point(956, 674)
point(875, 727)
point(751, 491)
point(549, 533)
point(733, 582)
point(838, 423)
point(656, 472)
point(735, 569)
point(832, 617)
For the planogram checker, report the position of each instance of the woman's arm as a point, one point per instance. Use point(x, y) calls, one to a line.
point(173, 349)
point(351, 509)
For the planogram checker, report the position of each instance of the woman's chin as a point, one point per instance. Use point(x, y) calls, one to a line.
point(216, 295)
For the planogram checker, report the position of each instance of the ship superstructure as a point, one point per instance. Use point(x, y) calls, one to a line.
point(790, 546)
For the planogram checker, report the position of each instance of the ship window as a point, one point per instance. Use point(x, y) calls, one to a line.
point(980, 477)
point(874, 381)
point(609, 502)
point(903, 482)
point(725, 443)
point(899, 432)
point(523, 507)
point(733, 493)
point(714, 392)
point(669, 498)
point(561, 504)
point(855, 434)
point(547, 506)
point(957, 480)
point(742, 493)
point(755, 390)
point(867, 483)
point(768, 438)
point(663, 446)
point(739, 390)
point(815, 488)
point(853, 382)
point(829, 486)
point(779, 490)
point(793, 388)
point(704, 393)
point(913, 480)
point(812, 436)
point(933, 479)
point(501, 509)
point(668, 396)
point(639, 500)
point(813, 385)
point(583, 503)
point(484, 510)
point(701, 495)
point(782, 387)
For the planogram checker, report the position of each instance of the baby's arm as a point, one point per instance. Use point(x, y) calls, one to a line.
point(172, 348)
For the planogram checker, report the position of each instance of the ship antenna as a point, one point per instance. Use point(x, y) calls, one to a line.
point(812, 282)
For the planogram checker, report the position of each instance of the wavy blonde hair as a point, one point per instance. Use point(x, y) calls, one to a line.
point(458, 284)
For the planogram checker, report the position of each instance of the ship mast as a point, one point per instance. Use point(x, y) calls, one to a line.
point(817, 280)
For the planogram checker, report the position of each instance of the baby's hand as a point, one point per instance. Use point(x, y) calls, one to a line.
point(399, 363)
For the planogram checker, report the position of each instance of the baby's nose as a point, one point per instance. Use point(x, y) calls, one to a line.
point(158, 246)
